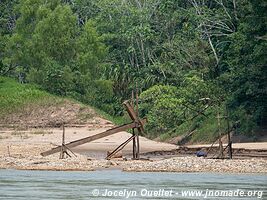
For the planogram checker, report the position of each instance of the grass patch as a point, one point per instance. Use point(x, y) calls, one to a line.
point(14, 96)
point(183, 129)
point(205, 128)
point(208, 130)
point(165, 136)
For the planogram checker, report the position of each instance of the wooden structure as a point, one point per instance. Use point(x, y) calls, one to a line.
point(136, 124)
point(220, 154)
point(63, 147)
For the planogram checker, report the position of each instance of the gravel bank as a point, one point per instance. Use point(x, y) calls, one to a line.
point(194, 164)
point(177, 164)
point(19, 153)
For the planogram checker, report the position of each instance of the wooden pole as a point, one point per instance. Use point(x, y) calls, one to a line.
point(137, 146)
point(137, 135)
point(8, 151)
point(119, 147)
point(63, 149)
point(132, 100)
point(220, 137)
point(134, 144)
point(137, 101)
point(230, 152)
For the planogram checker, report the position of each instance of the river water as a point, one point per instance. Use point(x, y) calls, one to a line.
point(114, 184)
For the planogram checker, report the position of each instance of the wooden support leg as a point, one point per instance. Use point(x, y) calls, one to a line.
point(120, 147)
point(67, 148)
point(8, 151)
point(220, 148)
point(63, 146)
point(137, 147)
point(134, 145)
point(63, 149)
point(220, 155)
point(230, 150)
point(61, 155)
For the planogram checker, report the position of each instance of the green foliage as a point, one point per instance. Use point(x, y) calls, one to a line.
point(55, 30)
point(49, 48)
point(189, 58)
point(53, 78)
point(8, 16)
point(207, 128)
point(247, 72)
point(166, 113)
point(246, 120)
point(167, 107)
point(90, 51)
point(7, 24)
point(13, 96)
point(100, 94)
point(150, 96)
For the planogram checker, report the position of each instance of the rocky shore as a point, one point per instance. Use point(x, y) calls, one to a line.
point(194, 164)
point(23, 153)
point(176, 164)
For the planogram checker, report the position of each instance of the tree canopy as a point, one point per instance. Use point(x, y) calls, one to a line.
point(191, 59)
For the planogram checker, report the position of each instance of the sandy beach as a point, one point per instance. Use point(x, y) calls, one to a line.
point(21, 150)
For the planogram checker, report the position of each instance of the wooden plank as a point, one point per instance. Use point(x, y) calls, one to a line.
point(92, 138)
point(130, 111)
point(137, 146)
point(120, 147)
point(134, 145)
point(133, 115)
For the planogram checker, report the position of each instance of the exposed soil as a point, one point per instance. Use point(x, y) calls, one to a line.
point(52, 115)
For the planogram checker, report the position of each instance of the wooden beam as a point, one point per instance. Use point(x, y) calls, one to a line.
point(133, 115)
point(93, 137)
point(120, 147)
point(134, 144)
point(130, 111)
point(63, 149)
point(138, 145)
point(230, 151)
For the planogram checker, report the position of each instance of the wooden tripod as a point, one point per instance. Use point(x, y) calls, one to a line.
point(135, 124)
point(134, 115)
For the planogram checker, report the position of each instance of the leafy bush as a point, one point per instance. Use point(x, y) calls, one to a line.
point(100, 94)
point(53, 78)
point(162, 107)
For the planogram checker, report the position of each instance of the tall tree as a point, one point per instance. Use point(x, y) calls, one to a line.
point(247, 61)
point(7, 24)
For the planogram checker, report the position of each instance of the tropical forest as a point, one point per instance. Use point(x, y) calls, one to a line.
point(199, 66)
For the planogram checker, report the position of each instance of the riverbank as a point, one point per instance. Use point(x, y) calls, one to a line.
point(175, 164)
point(21, 149)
